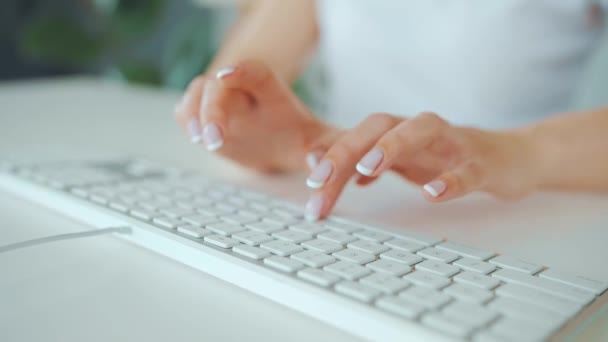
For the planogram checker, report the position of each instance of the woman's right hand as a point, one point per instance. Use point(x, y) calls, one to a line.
point(251, 117)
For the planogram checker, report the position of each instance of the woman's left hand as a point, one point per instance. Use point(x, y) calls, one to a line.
point(445, 160)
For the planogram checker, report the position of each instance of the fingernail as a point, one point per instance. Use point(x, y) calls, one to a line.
point(435, 188)
point(370, 162)
point(212, 137)
point(312, 160)
point(223, 72)
point(194, 127)
point(312, 212)
point(319, 174)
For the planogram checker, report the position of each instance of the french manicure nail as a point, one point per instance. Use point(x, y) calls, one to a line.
point(194, 127)
point(312, 160)
point(312, 212)
point(212, 137)
point(319, 174)
point(223, 72)
point(368, 164)
point(435, 188)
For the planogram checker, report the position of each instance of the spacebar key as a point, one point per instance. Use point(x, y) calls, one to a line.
point(549, 286)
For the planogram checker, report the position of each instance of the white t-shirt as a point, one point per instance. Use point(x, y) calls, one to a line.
point(475, 62)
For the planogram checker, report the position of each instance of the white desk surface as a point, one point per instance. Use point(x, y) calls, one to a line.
point(102, 288)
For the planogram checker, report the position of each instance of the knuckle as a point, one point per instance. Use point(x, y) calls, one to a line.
point(432, 118)
point(383, 118)
point(474, 171)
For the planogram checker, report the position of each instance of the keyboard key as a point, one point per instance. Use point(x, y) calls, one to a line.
point(276, 219)
point(259, 207)
point(437, 254)
point(313, 259)
point(265, 227)
point(540, 298)
point(594, 286)
point(291, 236)
point(405, 245)
point(224, 228)
point(527, 312)
point(372, 235)
point(429, 298)
point(465, 251)
point(167, 222)
point(200, 219)
point(324, 246)
point(348, 270)
point(176, 212)
point(400, 306)
point(390, 267)
point(509, 262)
point(477, 280)
point(368, 246)
point(508, 329)
point(252, 238)
point(309, 228)
point(281, 248)
point(549, 286)
point(318, 277)
point(217, 210)
point(119, 205)
point(194, 231)
point(474, 265)
point(357, 291)
point(427, 279)
point(468, 293)
point(152, 204)
point(474, 314)
point(447, 324)
point(401, 256)
point(419, 238)
point(353, 255)
point(283, 264)
point(438, 267)
point(384, 282)
point(251, 252)
point(342, 227)
point(337, 237)
point(221, 241)
point(143, 214)
point(239, 218)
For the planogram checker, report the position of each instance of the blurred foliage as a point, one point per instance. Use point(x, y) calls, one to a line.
point(99, 36)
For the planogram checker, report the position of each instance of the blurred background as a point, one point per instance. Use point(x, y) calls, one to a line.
point(158, 42)
point(163, 43)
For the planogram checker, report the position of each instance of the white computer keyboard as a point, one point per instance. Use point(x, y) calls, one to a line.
point(371, 282)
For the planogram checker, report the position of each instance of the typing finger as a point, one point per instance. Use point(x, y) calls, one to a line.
point(337, 166)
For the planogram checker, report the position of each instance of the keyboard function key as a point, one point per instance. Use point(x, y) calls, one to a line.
point(477, 280)
point(372, 235)
point(292, 236)
point(401, 256)
point(281, 248)
point(337, 237)
point(404, 245)
point(324, 246)
point(594, 286)
point(225, 228)
point(252, 238)
point(438, 267)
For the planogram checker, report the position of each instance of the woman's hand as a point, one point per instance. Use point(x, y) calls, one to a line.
point(249, 116)
point(446, 161)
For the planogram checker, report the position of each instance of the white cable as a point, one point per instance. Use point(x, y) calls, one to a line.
point(60, 237)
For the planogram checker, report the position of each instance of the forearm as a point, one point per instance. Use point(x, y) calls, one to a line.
point(282, 34)
point(571, 151)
